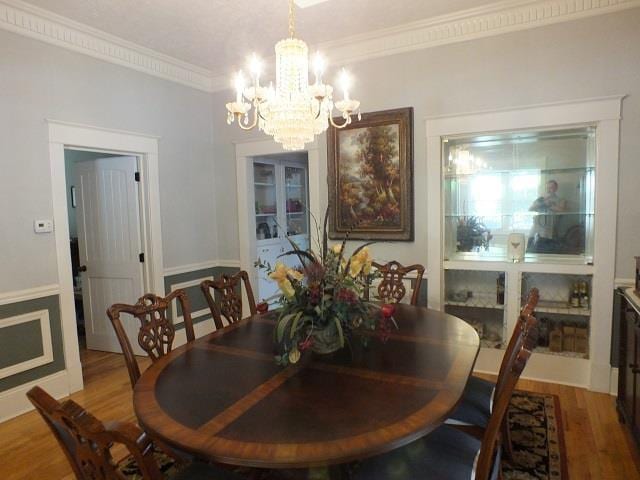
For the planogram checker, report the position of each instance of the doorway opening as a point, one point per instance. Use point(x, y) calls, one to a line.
point(104, 201)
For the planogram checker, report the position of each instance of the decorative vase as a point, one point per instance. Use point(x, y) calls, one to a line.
point(326, 340)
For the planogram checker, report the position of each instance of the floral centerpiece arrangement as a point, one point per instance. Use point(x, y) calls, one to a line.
point(322, 301)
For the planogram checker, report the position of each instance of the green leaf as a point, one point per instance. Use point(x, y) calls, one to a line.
point(282, 325)
point(339, 328)
point(294, 325)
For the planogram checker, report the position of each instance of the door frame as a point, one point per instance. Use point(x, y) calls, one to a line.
point(64, 135)
point(245, 152)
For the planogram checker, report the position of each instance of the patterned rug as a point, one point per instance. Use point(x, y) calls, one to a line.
point(536, 435)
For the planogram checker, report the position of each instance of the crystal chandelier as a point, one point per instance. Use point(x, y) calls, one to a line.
point(293, 112)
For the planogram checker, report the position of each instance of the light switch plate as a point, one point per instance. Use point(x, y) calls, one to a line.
point(43, 226)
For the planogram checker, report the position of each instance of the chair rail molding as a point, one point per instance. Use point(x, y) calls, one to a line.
point(29, 294)
point(192, 267)
point(485, 21)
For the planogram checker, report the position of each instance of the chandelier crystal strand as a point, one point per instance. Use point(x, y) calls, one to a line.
point(294, 111)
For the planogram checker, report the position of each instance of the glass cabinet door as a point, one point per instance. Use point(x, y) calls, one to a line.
point(295, 181)
point(266, 200)
point(533, 189)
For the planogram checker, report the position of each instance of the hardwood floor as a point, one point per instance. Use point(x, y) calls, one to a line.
point(597, 446)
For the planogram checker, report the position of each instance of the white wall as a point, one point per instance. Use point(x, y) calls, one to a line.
point(39, 81)
point(585, 58)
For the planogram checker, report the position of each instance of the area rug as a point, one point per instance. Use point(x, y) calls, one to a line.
point(537, 437)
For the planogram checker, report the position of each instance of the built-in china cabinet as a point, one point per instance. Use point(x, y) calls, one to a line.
point(281, 213)
point(527, 198)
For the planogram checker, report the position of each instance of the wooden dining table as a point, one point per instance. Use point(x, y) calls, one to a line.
point(223, 398)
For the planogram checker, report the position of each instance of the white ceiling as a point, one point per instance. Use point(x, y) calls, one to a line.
point(219, 34)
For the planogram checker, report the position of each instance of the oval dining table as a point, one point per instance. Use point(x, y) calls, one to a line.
point(223, 398)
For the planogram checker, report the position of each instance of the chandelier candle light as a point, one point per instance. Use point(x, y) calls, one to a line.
point(293, 112)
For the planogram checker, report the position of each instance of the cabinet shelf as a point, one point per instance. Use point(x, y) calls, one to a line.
point(263, 184)
point(546, 351)
point(528, 214)
point(581, 312)
point(474, 304)
point(292, 185)
point(491, 344)
point(520, 170)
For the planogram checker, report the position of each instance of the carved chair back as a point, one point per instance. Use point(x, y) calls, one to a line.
point(87, 442)
point(516, 364)
point(156, 332)
point(518, 330)
point(224, 296)
point(391, 288)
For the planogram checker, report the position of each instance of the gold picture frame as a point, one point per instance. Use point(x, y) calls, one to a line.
point(370, 176)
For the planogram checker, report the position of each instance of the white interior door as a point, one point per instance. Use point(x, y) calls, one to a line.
point(110, 244)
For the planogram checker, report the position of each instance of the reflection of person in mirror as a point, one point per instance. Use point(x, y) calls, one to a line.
point(543, 232)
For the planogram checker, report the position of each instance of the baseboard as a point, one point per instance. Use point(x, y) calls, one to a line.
point(14, 402)
point(613, 386)
point(600, 380)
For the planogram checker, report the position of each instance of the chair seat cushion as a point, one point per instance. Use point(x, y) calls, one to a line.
point(475, 406)
point(446, 453)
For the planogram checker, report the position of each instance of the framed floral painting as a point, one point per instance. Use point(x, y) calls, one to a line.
point(370, 164)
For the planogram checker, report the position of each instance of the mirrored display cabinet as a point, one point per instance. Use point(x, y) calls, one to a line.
point(522, 198)
point(538, 184)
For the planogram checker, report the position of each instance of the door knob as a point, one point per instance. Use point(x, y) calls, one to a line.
point(82, 268)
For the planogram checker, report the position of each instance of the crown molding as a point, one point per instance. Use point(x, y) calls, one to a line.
point(494, 19)
point(486, 21)
point(489, 20)
point(25, 19)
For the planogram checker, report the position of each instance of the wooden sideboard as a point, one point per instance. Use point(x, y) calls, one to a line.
point(628, 402)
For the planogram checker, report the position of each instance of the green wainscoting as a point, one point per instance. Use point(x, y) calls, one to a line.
point(22, 342)
point(196, 297)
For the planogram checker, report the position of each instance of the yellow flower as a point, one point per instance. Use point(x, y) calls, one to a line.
point(279, 274)
point(282, 274)
point(337, 248)
point(361, 262)
point(287, 288)
point(295, 274)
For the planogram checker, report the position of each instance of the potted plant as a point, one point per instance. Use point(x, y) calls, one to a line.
point(322, 301)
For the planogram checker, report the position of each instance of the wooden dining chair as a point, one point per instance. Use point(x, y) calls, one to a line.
point(87, 443)
point(224, 296)
point(474, 410)
point(391, 288)
point(448, 453)
point(156, 332)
